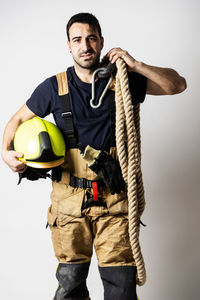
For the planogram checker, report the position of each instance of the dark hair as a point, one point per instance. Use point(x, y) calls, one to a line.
point(85, 18)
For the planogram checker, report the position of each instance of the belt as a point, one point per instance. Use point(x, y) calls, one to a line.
point(83, 183)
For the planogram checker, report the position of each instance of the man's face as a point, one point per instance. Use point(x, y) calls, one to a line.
point(85, 45)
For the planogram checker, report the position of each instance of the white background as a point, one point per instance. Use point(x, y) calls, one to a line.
point(33, 47)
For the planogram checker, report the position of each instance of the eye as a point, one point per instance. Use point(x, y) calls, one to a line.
point(76, 40)
point(93, 39)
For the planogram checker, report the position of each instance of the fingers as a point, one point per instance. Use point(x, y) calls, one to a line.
point(21, 168)
point(17, 165)
point(116, 53)
point(11, 158)
point(18, 154)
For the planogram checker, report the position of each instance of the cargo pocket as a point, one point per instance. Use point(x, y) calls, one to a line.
point(67, 200)
point(71, 238)
point(117, 203)
point(51, 217)
point(56, 222)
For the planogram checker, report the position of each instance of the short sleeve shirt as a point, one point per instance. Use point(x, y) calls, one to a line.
point(92, 126)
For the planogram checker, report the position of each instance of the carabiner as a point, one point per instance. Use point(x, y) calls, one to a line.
point(103, 73)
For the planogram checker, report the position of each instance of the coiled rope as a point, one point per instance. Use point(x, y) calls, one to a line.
point(128, 142)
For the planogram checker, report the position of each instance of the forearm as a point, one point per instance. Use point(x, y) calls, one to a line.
point(23, 114)
point(9, 133)
point(160, 81)
point(169, 81)
point(11, 157)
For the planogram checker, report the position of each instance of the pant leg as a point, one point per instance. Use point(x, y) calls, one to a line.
point(72, 241)
point(116, 264)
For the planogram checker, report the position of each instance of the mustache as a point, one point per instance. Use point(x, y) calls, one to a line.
point(87, 52)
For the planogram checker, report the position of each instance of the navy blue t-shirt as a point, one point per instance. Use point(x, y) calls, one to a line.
point(92, 126)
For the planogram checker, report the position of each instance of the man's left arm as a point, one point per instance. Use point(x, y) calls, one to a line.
point(160, 81)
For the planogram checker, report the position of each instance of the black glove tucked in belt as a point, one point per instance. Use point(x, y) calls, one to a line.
point(107, 168)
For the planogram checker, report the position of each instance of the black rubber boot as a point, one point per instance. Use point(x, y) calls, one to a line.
point(119, 282)
point(72, 282)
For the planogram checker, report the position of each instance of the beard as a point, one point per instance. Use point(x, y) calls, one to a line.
point(89, 64)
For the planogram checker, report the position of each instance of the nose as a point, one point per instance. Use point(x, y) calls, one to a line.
point(85, 45)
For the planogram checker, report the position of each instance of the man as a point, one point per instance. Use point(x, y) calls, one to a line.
point(76, 218)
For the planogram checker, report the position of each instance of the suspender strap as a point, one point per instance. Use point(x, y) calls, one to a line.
point(69, 128)
point(112, 120)
point(63, 92)
point(62, 83)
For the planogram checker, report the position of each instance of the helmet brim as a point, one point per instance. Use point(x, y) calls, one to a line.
point(44, 165)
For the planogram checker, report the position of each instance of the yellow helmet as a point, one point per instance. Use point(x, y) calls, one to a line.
point(41, 142)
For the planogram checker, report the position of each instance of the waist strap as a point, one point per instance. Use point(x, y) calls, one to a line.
point(83, 183)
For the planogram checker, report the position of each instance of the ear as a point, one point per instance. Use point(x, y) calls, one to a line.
point(69, 46)
point(102, 42)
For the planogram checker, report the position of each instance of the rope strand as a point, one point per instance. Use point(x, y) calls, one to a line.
point(128, 143)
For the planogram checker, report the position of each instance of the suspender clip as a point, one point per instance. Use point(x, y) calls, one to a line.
point(66, 115)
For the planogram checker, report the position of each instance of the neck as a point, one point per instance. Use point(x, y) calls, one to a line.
point(84, 75)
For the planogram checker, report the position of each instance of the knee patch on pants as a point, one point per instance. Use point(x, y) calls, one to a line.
point(72, 281)
point(119, 282)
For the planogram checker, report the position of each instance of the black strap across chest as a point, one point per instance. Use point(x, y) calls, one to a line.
point(69, 133)
point(70, 137)
point(112, 141)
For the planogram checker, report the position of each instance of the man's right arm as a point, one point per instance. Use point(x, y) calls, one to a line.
point(11, 157)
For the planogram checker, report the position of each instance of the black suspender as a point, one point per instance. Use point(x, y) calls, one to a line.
point(69, 133)
point(112, 119)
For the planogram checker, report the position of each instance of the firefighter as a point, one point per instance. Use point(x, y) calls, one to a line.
point(89, 199)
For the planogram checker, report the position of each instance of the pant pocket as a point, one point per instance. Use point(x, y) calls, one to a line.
point(71, 237)
point(51, 217)
point(67, 200)
point(117, 203)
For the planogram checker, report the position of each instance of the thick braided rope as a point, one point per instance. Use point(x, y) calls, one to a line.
point(120, 132)
point(129, 153)
point(140, 186)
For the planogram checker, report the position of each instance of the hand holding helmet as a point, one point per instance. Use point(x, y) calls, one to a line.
point(11, 158)
point(39, 147)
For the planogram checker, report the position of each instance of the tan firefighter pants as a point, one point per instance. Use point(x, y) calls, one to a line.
point(74, 231)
